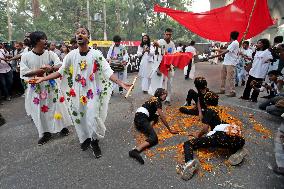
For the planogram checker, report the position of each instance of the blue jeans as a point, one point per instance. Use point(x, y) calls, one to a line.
point(6, 81)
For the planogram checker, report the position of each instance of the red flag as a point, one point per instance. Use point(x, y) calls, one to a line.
point(217, 24)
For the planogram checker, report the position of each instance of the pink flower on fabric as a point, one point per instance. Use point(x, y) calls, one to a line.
point(43, 95)
point(90, 94)
point(83, 82)
point(36, 100)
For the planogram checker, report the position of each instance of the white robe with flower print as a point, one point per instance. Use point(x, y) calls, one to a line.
point(89, 115)
point(54, 117)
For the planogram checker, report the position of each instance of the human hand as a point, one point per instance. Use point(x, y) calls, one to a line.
point(47, 68)
point(38, 80)
point(126, 86)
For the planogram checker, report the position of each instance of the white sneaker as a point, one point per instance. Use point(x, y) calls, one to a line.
point(237, 157)
point(179, 168)
point(189, 169)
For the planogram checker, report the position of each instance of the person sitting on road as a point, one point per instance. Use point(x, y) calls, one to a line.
point(145, 118)
point(204, 99)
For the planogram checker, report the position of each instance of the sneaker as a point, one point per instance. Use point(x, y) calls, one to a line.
point(278, 170)
point(96, 149)
point(237, 157)
point(231, 94)
point(189, 169)
point(46, 137)
point(179, 168)
point(64, 132)
point(136, 155)
point(86, 144)
point(221, 92)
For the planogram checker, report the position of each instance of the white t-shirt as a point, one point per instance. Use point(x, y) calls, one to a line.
point(191, 49)
point(4, 66)
point(231, 57)
point(179, 49)
point(260, 64)
point(166, 47)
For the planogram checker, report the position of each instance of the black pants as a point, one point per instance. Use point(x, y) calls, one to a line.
point(218, 139)
point(191, 95)
point(188, 69)
point(6, 81)
point(210, 116)
point(254, 95)
point(143, 124)
point(17, 86)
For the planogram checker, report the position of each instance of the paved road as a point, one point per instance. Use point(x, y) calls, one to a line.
point(61, 163)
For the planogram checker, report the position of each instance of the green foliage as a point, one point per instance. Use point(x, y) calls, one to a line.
point(60, 18)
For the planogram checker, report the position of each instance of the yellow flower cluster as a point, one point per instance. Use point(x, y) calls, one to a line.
point(57, 116)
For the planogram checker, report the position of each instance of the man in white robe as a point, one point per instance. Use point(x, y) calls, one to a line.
point(159, 80)
point(42, 102)
point(89, 79)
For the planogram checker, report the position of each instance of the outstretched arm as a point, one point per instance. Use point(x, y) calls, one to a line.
point(54, 75)
point(163, 118)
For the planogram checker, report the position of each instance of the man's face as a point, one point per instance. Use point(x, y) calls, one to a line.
point(42, 44)
point(82, 36)
point(168, 36)
point(95, 46)
point(259, 45)
point(245, 46)
point(17, 46)
point(272, 77)
point(52, 46)
point(117, 44)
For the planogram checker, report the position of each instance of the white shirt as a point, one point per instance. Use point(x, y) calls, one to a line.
point(191, 49)
point(4, 66)
point(179, 49)
point(231, 57)
point(117, 53)
point(166, 47)
point(260, 64)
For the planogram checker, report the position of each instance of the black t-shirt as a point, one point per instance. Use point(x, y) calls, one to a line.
point(201, 99)
point(152, 105)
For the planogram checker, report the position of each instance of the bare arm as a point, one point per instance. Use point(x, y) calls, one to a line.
point(218, 55)
point(163, 119)
point(54, 75)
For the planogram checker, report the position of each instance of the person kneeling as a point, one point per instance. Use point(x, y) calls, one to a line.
point(226, 136)
point(144, 120)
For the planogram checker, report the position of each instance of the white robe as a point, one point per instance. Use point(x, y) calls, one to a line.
point(43, 95)
point(162, 81)
point(89, 118)
point(146, 66)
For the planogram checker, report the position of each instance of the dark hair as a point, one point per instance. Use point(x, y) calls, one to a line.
point(180, 44)
point(234, 35)
point(200, 83)
point(116, 38)
point(266, 43)
point(275, 72)
point(211, 99)
point(148, 43)
point(36, 36)
point(278, 39)
point(73, 40)
point(192, 43)
point(246, 42)
point(159, 92)
point(169, 30)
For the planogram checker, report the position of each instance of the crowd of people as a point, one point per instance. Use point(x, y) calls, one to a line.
point(72, 85)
